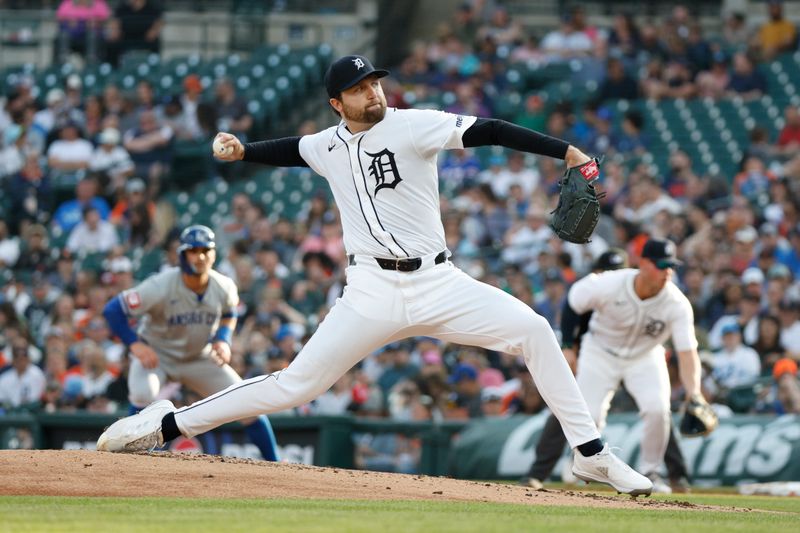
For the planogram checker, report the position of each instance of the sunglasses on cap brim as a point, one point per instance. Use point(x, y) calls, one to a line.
point(665, 264)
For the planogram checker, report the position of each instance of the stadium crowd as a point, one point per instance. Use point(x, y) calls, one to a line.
point(94, 167)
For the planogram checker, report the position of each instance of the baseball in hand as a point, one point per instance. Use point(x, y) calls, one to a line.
point(220, 149)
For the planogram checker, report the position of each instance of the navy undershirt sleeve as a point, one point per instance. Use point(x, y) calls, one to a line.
point(283, 152)
point(494, 132)
point(570, 320)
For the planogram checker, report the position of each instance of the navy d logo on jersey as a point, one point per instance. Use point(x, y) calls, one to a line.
point(384, 169)
point(654, 327)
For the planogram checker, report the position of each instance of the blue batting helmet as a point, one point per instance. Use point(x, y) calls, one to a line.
point(196, 236)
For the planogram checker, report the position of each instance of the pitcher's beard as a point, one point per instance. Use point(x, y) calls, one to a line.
point(366, 116)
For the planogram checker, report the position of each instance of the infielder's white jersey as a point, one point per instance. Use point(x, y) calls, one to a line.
point(385, 180)
point(627, 326)
point(175, 321)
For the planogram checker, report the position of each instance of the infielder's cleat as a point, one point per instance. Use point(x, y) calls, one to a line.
point(680, 485)
point(140, 432)
point(605, 467)
point(659, 485)
point(532, 482)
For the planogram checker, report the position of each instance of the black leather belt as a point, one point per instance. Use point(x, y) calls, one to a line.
point(402, 265)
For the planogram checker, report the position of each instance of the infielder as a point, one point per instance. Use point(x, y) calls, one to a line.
point(551, 441)
point(634, 313)
point(381, 166)
point(186, 320)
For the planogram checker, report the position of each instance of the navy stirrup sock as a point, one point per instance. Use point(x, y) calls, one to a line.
point(593, 447)
point(169, 428)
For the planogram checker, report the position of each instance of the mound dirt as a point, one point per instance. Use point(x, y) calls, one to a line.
point(91, 473)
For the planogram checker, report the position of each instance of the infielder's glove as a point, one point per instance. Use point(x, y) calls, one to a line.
point(699, 419)
point(578, 208)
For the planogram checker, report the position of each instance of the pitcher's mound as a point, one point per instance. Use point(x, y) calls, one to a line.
point(90, 473)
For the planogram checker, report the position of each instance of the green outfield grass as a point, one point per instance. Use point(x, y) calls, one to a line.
point(117, 515)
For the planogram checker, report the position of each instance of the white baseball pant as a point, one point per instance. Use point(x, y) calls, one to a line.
point(645, 377)
point(382, 306)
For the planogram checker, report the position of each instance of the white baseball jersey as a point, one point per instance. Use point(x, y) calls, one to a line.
point(398, 155)
point(175, 321)
point(627, 326)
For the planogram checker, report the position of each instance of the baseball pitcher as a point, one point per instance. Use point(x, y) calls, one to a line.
point(381, 166)
point(186, 320)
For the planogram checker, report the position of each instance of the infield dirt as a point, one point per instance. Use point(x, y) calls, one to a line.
point(91, 473)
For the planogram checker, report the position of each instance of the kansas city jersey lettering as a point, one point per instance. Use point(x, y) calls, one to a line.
point(173, 320)
point(192, 318)
point(383, 169)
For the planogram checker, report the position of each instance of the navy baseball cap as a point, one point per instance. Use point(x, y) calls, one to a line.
point(461, 372)
point(347, 71)
point(611, 259)
point(662, 252)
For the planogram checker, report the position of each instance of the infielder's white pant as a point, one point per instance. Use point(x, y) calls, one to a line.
point(645, 377)
point(203, 376)
point(382, 306)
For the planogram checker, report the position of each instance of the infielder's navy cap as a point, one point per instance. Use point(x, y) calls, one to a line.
point(611, 259)
point(347, 71)
point(662, 252)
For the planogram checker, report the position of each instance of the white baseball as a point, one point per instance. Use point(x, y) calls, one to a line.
point(220, 149)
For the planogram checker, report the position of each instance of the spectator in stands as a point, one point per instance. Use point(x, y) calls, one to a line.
point(9, 247)
point(777, 34)
point(466, 399)
point(631, 140)
point(786, 379)
point(35, 255)
point(37, 311)
point(623, 38)
point(80, 27)
point(95, 374)
point(12, 154)
point(789, 314)
point(70, 154)
point(136, 25)
point(150, 148)
point(24, 384)
point(93, 234)
point(232, 113)
point(788, 142)
point(698, 50)
point(790, 256)
point(735, 34)
point(567, 41)
point(94, 115)
point(652, 47)
point(501, 30)
point(527, 399)
point(70, 213)
point(234, 226)
point(189, 123)
point(735, 364)
point(714, 82)
point(617, 85)
point(768, 342)
point(550, 301)
point(746, 80)
point(337, 400)
point(111, 163)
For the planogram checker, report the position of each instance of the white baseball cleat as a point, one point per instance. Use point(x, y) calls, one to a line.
point(605, 467)
point(659, 485)
point(136, 433)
